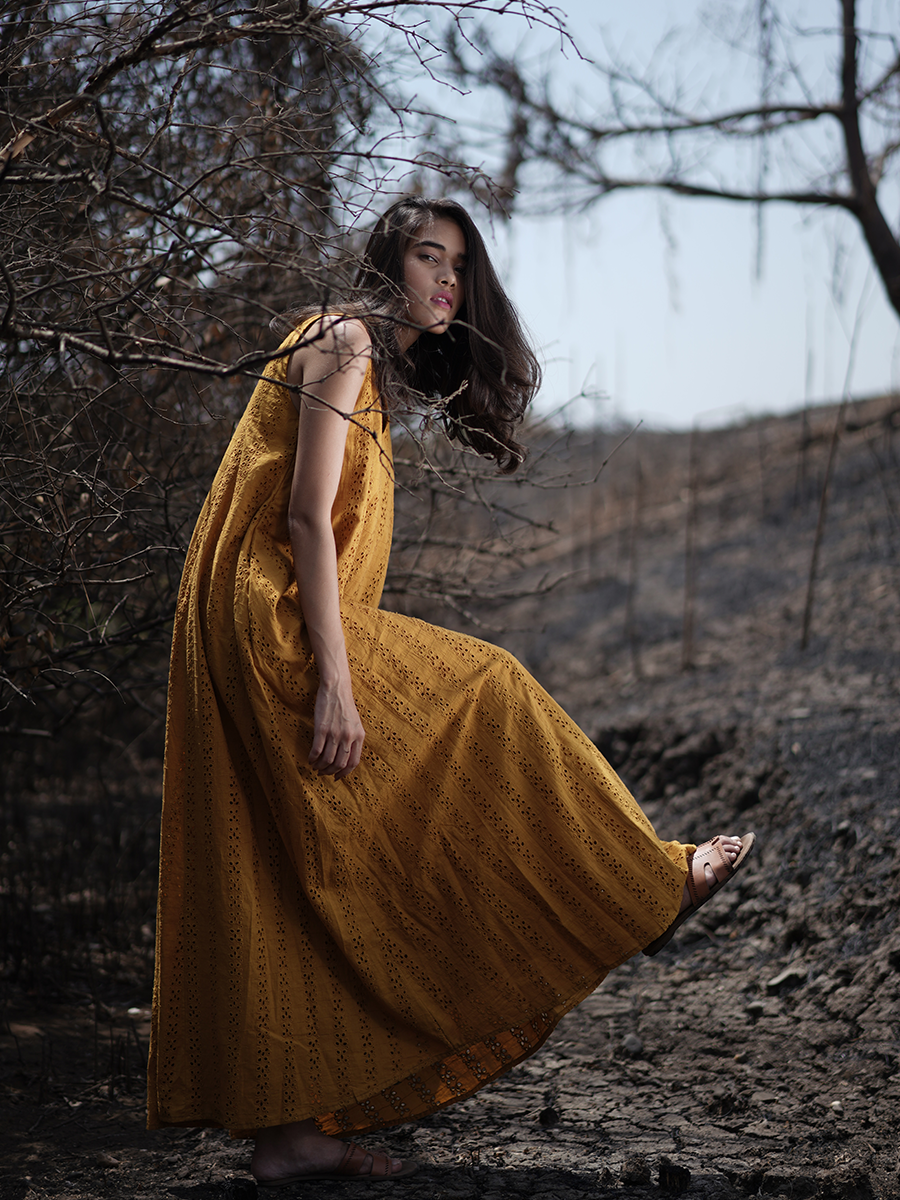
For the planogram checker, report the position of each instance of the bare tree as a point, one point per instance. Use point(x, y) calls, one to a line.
point(779, 148)
point(173, 176)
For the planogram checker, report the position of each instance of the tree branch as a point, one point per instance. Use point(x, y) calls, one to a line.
point(879, 237)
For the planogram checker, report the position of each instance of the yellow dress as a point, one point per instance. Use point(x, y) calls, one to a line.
point(364, 951)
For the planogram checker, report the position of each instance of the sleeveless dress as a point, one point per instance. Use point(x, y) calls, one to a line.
point(364, 951)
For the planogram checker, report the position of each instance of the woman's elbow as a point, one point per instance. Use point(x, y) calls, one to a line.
point(308, 526)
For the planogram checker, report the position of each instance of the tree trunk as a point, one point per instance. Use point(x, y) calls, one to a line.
point(881, 241)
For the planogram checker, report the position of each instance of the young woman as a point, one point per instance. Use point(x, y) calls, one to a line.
point(390, 863)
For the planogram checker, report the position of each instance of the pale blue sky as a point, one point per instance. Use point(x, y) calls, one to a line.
point(685, 333)
point(675, 337)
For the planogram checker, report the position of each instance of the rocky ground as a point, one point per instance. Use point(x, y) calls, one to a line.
point(758, 1054)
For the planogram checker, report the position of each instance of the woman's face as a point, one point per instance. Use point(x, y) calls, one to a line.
point(433, 275)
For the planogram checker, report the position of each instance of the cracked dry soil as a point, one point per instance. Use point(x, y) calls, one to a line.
point(758, 1054)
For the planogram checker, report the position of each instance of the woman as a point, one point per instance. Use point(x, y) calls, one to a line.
point(390, 863)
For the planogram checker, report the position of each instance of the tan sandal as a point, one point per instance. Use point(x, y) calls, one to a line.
point(709, 854)
point(349, 1169)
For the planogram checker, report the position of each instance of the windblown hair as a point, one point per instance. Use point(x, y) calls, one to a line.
point(480, 375)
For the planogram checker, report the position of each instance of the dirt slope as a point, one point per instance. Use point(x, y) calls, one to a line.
point(758, 1055)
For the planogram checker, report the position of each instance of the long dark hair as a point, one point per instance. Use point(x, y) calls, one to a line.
point(482, 367)
point(480, 375)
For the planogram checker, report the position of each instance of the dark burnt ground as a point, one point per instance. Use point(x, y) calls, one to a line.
point(758, 1055)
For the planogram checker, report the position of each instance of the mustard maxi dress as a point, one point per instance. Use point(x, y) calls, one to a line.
point(364, 951)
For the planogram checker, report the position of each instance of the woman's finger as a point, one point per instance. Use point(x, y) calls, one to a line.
point(354, 759)
point(318, 753)
point(338, 755)
point(339, 760)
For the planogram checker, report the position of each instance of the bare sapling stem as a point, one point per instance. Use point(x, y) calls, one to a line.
point(690, 554)
point(634, 539)
point(820, 525)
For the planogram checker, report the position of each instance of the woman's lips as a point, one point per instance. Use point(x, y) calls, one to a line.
point(444, 299)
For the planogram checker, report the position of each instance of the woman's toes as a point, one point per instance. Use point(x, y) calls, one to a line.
point(731, 847)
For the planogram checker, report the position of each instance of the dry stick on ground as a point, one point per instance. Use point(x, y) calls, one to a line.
point(690, 553)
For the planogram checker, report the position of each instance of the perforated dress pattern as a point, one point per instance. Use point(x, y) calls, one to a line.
point(366, 950)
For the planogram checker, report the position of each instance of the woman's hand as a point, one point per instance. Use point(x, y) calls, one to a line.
point(338, 733)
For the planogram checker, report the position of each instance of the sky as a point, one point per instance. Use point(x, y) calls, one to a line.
point(690, 335)
point(653, 307)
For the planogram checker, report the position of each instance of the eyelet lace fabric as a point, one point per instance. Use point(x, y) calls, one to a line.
point(364, 951)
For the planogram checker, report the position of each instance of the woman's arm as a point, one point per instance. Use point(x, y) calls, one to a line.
point(330, 370)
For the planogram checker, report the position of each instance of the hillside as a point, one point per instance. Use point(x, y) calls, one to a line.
point(660, 598)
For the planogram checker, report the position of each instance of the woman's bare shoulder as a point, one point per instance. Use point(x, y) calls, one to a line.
point(331, 344)
point(333, 333)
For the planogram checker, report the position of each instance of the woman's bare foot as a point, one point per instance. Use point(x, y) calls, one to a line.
point(300, 1148)
point(710, 867)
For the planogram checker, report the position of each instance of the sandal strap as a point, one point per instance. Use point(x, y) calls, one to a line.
point(710, 854)
point(381, 1164)
point(354, 1160)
